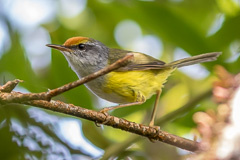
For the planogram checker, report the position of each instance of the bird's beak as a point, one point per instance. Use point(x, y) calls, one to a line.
point(59, 47)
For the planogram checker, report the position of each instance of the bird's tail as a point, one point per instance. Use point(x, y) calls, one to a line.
point(207, 57)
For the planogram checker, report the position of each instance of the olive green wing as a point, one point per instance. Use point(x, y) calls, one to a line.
point(139, 61)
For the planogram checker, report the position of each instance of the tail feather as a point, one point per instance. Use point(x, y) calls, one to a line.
point(207, 57)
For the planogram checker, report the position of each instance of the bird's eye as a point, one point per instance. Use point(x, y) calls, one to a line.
point(81, 46)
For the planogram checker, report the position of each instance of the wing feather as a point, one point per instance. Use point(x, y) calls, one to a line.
point(140, 61)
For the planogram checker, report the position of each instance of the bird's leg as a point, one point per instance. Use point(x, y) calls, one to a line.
point(140, 99)
point(155, 108)
point(105, 110)
point(151, 124)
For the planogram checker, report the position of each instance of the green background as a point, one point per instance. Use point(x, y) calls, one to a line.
point(193, 26)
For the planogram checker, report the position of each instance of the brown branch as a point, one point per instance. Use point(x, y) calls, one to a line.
point(109, 120)
point(10, 85)
point(42, 100)
point(119, 63)
point(51, 93)
point(116, 122)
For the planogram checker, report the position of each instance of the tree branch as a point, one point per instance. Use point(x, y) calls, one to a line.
point(109, 120)
point(9, 86)
point(54, 92)
point(42, 100)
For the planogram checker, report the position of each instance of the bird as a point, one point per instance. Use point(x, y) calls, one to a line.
point(141, 78)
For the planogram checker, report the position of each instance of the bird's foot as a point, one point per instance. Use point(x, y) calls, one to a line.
point(157, 128)
point(105, 112)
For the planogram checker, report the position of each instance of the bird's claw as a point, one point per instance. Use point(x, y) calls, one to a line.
point(97, 124)
point(105, 112)
point(157, 128)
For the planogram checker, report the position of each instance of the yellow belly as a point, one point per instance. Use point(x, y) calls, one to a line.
point(125, 87)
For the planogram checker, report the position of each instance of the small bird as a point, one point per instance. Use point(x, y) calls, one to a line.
point(129, 85)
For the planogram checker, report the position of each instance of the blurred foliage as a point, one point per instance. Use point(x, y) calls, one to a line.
point(185, 24)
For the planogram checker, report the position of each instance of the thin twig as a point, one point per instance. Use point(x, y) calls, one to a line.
point(54, 92)
point(119, 63)
point(10, 85)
